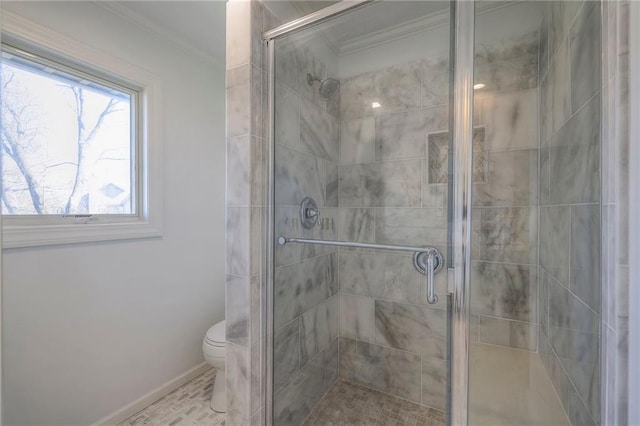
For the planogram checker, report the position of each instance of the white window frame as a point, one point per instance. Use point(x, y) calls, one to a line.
point(23, 231)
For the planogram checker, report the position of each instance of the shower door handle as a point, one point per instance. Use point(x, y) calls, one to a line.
point(426, 260)
point(430, 292)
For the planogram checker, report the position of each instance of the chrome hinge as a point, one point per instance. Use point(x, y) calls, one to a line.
point(450, 280)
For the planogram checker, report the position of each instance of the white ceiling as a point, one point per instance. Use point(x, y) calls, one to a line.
point(197, 26)
point(370, 19)
point(288, 10)
point(380, 17)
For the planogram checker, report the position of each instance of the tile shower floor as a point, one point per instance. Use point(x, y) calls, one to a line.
point(347, 403)
point(187, 405)
point(508, 387)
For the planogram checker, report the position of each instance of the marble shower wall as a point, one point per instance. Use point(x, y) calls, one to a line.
point(306, 276)
point(393, 189)
point(569, 265)
point(387, 333)
point(244, 211)
point(615, 204)
point(378, 300)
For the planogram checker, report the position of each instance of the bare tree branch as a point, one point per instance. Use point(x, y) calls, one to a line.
point(18, 136)
point(84, 139)
point(11, 149)
point(7, 208)
point(110, 108)
point(8, 81)
point(64, 163)
point(21, 140)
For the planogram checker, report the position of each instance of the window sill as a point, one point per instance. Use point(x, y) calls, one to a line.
point(46, 235)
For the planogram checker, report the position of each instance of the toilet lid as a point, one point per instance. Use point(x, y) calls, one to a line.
point(216, 333)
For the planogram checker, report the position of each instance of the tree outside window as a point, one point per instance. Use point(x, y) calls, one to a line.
point(66, 141)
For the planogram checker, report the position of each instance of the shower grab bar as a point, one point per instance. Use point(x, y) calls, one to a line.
point(427, 260)
point(285, 240)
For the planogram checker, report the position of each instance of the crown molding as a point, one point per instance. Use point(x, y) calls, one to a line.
point(149, 25)
point(405, 29)
point(412, 27)
point(329, 40)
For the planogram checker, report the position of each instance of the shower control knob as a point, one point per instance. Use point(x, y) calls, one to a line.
point(309, 213)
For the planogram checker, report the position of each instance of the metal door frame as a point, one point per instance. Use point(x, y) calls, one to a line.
point(462, 131)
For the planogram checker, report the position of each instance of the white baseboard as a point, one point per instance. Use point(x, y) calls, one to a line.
point(141, 403)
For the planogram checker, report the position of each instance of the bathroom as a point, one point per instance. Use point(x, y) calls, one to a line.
point(330, 163)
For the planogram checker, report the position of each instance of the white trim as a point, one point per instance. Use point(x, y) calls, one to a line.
point(415, 26)
point(149, 223)
point(386, 35)
point(158, 393)
point(634, 210)
point(139, 20)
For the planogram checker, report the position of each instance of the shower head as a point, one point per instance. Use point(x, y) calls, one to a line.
point(328, 87)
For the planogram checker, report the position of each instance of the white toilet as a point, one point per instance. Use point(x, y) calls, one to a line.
point(214, 349)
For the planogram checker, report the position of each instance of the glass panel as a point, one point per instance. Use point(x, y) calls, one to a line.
point(66, 141)
point(535, 262)
point(361, 122)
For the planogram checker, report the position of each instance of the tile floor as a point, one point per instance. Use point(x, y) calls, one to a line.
point(186, 406)
point(347, 403)
point(508, 387)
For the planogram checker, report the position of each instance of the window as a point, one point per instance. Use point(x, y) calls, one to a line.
point(69, 141)
point(81, 149)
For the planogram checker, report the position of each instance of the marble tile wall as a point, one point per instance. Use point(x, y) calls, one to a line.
point(569, 266)
point(306, 297)
point(393, 178)
point(615, 183)
point(505, 228)
point(505, 195)
point(378, 304)
point(244, 211)
point(306, 165)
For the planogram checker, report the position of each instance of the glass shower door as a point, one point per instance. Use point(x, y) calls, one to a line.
point(364, 164)
point(361, 140)
point(535, 280)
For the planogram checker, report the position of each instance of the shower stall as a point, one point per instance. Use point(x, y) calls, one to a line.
point(433, 198)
